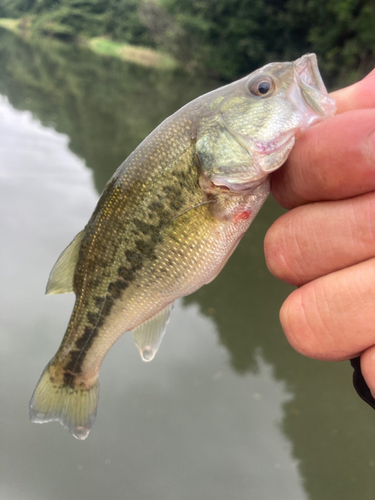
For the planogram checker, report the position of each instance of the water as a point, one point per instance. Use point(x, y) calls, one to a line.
point(226, 409)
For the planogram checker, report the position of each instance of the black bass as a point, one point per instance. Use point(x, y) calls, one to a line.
point(167, 222)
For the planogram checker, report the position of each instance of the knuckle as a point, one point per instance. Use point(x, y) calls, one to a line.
point(282, 247)
point(295, 326)
point(275, 254)
point(304, 326)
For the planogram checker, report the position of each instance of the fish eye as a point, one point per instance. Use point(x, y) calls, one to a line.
point(261, 86)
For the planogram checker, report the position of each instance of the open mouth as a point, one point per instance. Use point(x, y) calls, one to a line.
point(306, 67)
point(312, 100)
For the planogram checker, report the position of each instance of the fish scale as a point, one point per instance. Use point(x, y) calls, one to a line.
point(136, 246)
point(167, 222)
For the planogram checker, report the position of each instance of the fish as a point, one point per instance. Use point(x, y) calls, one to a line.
point(167, 222)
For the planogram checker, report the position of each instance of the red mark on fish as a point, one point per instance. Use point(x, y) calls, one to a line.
point(242, 216)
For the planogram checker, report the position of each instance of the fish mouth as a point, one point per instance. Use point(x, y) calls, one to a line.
point(307, 70)
point(308, 91)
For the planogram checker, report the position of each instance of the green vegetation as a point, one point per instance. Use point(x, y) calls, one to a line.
point(10, 24)
point(144, 56)
point(223, 38)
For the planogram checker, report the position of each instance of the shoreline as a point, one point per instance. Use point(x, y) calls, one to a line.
point(103, 45)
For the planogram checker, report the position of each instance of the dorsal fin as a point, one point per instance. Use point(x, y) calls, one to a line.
point(148, 335)
point(61, 277)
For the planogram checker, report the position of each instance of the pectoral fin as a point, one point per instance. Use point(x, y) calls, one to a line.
point(61, 277)
point(148, 335)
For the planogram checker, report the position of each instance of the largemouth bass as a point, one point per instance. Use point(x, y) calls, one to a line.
point(167, 222)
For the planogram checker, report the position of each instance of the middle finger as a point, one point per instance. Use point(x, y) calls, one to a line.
point(320, 238)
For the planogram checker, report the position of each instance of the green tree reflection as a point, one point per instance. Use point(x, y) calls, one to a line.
point(106, 107)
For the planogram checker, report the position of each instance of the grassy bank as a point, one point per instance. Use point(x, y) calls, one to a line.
point(132, 53)
point(10, 24)
point(105, 46)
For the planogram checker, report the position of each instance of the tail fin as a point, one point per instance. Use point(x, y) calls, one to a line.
point(74, 408)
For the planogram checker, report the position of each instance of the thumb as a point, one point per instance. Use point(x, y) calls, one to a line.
point(357, 96)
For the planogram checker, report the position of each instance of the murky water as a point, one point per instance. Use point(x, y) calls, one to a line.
point(227, 409)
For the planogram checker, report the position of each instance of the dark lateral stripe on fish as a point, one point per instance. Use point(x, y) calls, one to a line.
point(85, 341)
point(104, 305)
point(147, 237)
point(69, 380)
point(77, 354)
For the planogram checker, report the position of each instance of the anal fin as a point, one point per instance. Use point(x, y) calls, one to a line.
point(148, 335)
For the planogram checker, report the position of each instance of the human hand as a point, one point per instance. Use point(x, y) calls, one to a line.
point(326, 244)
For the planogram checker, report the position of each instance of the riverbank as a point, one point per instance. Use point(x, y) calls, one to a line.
point(144, 56)
point(104, 46)
point(11, 24)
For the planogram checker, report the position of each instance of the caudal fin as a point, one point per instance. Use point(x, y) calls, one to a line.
point(74, 408)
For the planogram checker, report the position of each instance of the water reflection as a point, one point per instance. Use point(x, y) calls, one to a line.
point(105, 106)
point(186, 425)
